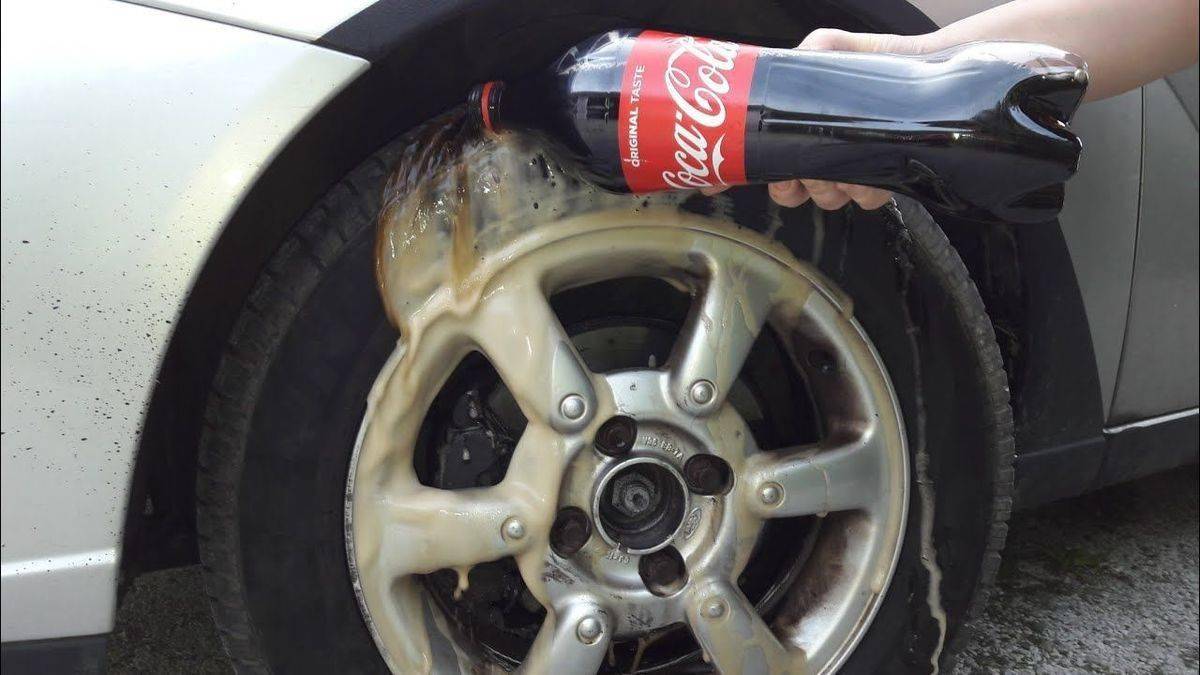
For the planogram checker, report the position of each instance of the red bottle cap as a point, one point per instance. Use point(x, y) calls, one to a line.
point(485, 103)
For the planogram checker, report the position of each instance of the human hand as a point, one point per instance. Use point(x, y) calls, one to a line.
point(830, 195)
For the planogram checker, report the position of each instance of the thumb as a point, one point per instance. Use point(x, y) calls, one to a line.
point(833, 39)
point(843, 41)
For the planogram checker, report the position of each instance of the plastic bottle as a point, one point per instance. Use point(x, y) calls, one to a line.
point(979, 130)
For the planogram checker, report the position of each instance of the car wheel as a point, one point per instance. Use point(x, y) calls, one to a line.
point(614, 433)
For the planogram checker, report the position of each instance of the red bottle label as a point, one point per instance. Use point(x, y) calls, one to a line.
point(683, 112)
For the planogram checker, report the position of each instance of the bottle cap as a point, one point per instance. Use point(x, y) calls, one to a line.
point(481, 103)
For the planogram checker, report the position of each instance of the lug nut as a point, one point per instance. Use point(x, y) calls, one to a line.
point(616, 436)
point(513, 528)
point(570, 532)
point(589, 629)
point(707, 475)
point(633, 494)
point(664, 571)
point(713, 608)
point(702, 392)
point(770, 493)
point(573, 406)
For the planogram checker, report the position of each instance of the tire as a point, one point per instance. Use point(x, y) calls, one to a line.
point(930, 326)
point(288, 398)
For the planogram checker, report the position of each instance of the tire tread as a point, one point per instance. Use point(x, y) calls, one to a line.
point(930, 242)
point(293, 272)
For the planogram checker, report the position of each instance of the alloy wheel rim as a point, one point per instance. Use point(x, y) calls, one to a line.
point(856, 477)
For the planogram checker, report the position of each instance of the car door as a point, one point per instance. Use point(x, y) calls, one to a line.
point(1159, 372)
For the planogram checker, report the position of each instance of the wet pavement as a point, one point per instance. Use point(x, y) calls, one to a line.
point(1103, 583)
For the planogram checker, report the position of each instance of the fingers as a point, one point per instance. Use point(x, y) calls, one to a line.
point(829, 38)
point(869, 198)
point(843, 41)
point(788, 193)
point(826, 194)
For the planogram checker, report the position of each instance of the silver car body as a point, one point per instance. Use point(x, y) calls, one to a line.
point(129, 136)
point(132, 133)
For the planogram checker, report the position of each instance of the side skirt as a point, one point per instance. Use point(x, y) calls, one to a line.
point(84, 654)
point(1118, 454)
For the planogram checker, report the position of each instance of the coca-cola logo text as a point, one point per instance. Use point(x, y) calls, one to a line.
point(682, 113)
point(696, 82)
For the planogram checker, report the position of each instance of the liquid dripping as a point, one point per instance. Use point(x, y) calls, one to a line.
point(925, 487)
point(464, 581)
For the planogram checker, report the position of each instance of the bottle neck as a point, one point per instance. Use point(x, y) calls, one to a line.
point(483, 104)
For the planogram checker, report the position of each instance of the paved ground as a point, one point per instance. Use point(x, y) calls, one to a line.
point(1105, 583)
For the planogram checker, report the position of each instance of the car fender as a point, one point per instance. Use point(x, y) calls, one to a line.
point(130, 137)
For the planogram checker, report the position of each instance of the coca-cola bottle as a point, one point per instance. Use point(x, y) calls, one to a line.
point(979, 130)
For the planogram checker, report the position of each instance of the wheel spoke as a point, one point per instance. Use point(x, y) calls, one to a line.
point(403, 528)
point(719, 332)
point(423, 529)
point(733, 635)
point(820, 480)
point(572, 640)
point(517, 330)
point(397, 404)
point(430, 529)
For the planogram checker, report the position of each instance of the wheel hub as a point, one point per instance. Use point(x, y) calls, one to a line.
point(641, 504)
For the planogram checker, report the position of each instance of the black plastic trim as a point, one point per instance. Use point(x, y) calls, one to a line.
point(84, 654)
point(380, 33)
point(1133, 452)
point(1058, 472)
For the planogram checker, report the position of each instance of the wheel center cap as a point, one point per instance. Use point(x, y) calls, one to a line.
point(639, 504)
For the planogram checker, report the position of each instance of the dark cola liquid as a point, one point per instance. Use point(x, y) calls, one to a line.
point(979, 131)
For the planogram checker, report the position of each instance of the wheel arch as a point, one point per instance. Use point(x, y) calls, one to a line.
point(1028, 283)
point(468, 41)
